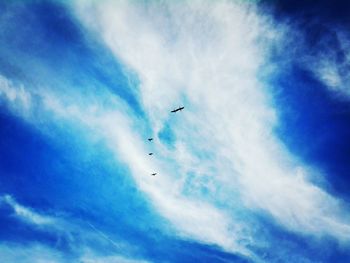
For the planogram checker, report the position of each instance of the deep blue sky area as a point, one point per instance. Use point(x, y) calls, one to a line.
point(315, 125)
point(314, 120)
point(71, 186)
point(322, 10)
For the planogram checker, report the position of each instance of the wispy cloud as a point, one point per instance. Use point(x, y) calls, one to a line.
point(88, 258)
point(331, 64)
point(26, 214)
point(25, 254)
point(325, 55)
point(16, 96)
point(191, 216)
point(39, 253)
point(84, 239)
point(226, 165)
point(208, 56)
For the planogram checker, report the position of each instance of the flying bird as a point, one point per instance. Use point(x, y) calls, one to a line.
point(150, 139)
point(178, 109)
point(150, 154)
point(154, 174)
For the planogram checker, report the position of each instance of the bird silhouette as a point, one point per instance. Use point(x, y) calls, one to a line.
point(178, 109)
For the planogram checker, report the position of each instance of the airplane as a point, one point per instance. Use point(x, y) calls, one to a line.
point(178, 109)
point(150, 154)
point(154, 174)
point(150, 139)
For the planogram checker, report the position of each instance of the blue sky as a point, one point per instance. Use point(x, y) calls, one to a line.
point(254, 169)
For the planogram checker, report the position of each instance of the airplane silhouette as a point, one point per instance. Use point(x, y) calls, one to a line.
point(154, 174)
point(178, 109)
point(150, 154)
point(150, 139)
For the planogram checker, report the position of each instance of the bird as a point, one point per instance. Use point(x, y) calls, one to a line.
point(154, 174)
point(178, 109)
point(150, 139)
point(150, 154)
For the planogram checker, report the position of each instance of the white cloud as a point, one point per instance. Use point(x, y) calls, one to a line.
point(37, 253)
point(34, 253)
point(193, 217)
point(82, 237)
point(14, 95)
point(328, 59)
point(92, 258)
point(27, 214)
point(327, 71)
point(226, 163)
point(210, 54)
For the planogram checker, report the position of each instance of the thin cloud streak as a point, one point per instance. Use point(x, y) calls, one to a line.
point(27, 214)
point(83, 239)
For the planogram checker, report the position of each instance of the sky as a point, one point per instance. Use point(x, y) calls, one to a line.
point(255, 168)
